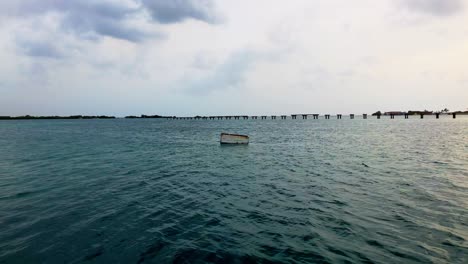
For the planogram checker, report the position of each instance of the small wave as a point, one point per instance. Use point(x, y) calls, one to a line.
point(151, 252)
point(94, 255)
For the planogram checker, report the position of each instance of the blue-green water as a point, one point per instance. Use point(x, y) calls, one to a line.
point(303, 191)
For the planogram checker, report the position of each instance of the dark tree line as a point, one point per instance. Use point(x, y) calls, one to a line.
point(146, 116)
point(29, 117)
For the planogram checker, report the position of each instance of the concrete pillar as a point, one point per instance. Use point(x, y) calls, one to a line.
point(283, 117)
point(364, 116)
point(327, 116)
point(293, 116)
point(273, 117)
point(338, 116)
point(351, 116)
point(263, 117)
point(392, 116)
point(406, 116)
point(454, 115)
point(378, 116)
point(437, 115)
point(422, 116)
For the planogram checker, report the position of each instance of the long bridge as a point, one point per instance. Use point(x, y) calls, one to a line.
point(296, 116)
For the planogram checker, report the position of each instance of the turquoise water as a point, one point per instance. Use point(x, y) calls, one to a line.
point(166, 191)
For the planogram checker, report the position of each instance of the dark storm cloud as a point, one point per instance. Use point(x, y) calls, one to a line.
point(435, 7)
point(166, 12)
point(94, 18)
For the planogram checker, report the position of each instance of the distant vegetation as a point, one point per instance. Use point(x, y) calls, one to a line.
point(148, 116)
point(28, 117)
point(417, 112)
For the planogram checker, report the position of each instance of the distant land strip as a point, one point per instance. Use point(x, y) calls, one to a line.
point(28, 117)
point(378, 114)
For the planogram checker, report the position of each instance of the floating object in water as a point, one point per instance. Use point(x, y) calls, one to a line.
point(233, 139)
point(365, 165)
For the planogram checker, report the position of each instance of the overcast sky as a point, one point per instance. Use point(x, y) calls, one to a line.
point(188, 57)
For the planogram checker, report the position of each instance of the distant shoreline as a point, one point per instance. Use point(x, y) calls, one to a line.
point(74, 117)
point(28, 117)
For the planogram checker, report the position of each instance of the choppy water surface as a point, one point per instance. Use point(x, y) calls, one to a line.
point(303, 191)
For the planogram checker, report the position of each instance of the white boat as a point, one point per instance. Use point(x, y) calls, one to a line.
point(233, 139)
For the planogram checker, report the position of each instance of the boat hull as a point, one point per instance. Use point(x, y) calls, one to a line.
point(233, 139)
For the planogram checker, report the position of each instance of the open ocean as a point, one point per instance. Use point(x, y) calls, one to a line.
point(166, 191)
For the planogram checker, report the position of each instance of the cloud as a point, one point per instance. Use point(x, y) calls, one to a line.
point(88, 19)
point(93, 26)
point(92, 19)
point(175, 11)
point(234, 70)
point(231, 73)
point(203, 61)
point(40, 49)
point(434, 7)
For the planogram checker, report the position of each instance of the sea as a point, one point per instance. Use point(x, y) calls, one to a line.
point(303, 191)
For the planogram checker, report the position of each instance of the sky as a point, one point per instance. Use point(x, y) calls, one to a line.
point(203, 57)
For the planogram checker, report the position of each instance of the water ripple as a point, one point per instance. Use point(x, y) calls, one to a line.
point(303, 191)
